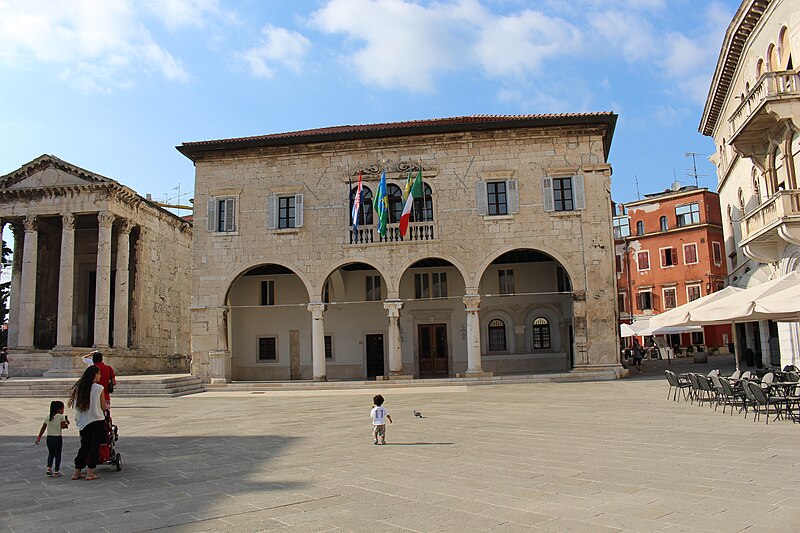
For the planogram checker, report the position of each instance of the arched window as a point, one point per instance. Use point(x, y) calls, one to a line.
point(756, 188)
point(779, 169)
point(395, 202)
point(423, 207)
point(759, 68)
point(747, 87)
point(364, 209)
point(772, 58)
point(497, 336)
point(730, 216)
point(541, 333)
point(784, 50)
point(663, 223)
point(795, 149)
point(640, 228)
point(740, 195)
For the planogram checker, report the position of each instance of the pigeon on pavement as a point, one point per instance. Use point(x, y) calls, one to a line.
point(417, 414)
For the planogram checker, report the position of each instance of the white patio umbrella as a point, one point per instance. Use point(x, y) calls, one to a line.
point(742, 306)
point(626, 331)
point(783, 303)
point(680, 316)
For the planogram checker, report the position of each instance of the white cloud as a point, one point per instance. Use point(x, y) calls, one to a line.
point(627, 32)
point(181, 13)
point(279, 45)
point(400, 43)
point(97, 45)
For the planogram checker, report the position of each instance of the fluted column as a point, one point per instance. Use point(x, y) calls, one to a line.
point(102, 305)
point(16, 285)
point(318, 341)
point(27, 293)
point(122, 289)
point(395, 348)
point(66, 278)
point(472, 305)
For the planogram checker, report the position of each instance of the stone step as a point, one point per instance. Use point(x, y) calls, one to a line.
point(127, 386)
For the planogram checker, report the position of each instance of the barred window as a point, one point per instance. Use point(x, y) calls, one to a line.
point(497, 336)
point(541, 333)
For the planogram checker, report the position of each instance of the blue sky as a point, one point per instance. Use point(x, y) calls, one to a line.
point(114, 86)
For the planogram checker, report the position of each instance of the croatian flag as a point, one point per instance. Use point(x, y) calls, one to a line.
point(357, 204)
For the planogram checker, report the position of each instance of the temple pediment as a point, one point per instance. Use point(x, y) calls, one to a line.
point(49, 171)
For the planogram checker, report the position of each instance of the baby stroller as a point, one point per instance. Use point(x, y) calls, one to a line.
point(108, 449)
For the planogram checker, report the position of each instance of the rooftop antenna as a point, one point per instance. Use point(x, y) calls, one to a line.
point(636, 179)
point(693, 171)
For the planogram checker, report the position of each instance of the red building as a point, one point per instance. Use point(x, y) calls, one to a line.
point(670, 251)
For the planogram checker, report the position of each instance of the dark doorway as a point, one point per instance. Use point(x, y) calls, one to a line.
point(774, 345)
point(91, 293)
point(374, 355)
point(433, 350)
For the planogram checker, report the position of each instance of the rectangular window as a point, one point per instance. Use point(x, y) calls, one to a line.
point(221, 214)
point(439, 285)
point(698, 337)
point(328, 347)
point(716, 250)
point(670, 301)
point(621, 302)
point(286, 206)
point(562, 194)
point(618, 263)
point(690, 254)
point(643, 260)
point(622, 227)
point(421, 286)
point(644, 301)
point(373, 289)
point(688, 214)
point(669, 257)
point(693, 293)
point(267, 349)
point(496, 197)
point(505, 279)
point(268, 292)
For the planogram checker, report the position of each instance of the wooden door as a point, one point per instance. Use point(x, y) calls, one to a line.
point(375, 355)
point(433, 350)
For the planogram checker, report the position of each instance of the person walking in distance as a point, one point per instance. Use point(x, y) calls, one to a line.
point(638, 354)
point(4, 362)
point(379, 415)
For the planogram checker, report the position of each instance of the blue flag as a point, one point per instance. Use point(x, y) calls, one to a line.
point(382, 206)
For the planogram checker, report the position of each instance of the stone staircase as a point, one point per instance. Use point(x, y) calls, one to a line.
point(127, 386)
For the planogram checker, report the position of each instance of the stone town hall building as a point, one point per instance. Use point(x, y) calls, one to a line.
point(507, 265)
point(94, 265)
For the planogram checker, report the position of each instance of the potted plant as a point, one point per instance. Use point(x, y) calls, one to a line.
point(699, 356)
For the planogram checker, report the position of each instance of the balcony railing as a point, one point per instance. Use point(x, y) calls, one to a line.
point(417, 231)
point(771, 84)
point(781, 205)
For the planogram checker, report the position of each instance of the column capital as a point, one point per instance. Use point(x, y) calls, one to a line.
point(31, 223)
point(393, 307)
point(105, 219)
point(125, 226)
point(472, 303)
point(317, 309)
point(68, 221)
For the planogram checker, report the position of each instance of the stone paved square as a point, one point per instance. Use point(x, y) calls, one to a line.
point(605, 456)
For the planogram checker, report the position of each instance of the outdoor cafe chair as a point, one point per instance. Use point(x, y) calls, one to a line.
point(678, 383)
point(694, 390)
point(707, 392)
point(766, 379)
point(791, 368)
point(735, 375)
point(731, 396)
point(747, 375)
point(716, 384)
point(764, 400)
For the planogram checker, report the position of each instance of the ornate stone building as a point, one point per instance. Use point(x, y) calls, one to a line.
point(95, 265)
point(753, 115)
point(507, 265)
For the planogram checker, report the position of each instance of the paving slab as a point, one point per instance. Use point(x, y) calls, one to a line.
point(593, 456)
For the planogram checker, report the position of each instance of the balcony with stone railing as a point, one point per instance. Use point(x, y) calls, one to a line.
point(773, 224)
point(775, 97)
point(368, 234)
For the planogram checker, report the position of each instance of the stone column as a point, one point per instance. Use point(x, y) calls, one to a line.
point(318, 341)
point(66, 279)
point(102, 305)
point(27, 293)
point(580, 331)
point(395, 348)
point(16, 285)
point(122, 289)
point(472, 305)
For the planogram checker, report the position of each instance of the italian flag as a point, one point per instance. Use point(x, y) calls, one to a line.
point(413, 190)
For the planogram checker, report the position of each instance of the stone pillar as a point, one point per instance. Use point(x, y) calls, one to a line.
point(102, 305)
point(27, 293)
point(395, 347)
point(318, 341)
point(16, 285)
point(122, 289)
point(66, 279)
point(220, 359)
point(472, 305)
point(580, 330)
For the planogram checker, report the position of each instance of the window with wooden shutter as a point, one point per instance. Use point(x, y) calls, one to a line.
point(212, 214)
point(272, 212)
point(480, 193)
point(298, 210)
point(578, 192)
point(513, 196)
point(547, 194)
point(230, 210)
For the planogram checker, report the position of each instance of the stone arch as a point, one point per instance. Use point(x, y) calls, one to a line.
point(560, 259)
point(394, 288)
point(319, 286)
point(510, 323)
point(236, 275)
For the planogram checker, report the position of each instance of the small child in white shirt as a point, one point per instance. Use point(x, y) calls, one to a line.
point(379, 415)
point(54, 423)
